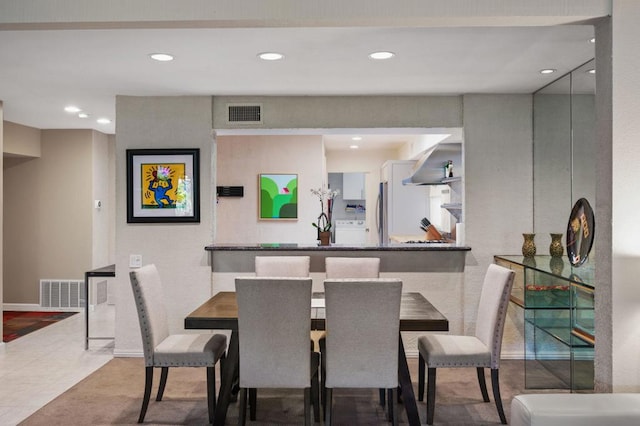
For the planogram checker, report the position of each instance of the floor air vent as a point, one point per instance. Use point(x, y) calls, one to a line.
point(245, 113)
point(62, 294)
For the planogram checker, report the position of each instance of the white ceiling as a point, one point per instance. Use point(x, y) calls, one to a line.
point(43, 71)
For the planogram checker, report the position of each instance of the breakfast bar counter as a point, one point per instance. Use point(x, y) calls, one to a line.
point(416, 257)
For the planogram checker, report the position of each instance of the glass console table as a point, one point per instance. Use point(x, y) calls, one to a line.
point(558, 310)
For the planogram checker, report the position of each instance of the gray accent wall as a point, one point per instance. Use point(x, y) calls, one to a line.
point(178, 248)
point(498, 194)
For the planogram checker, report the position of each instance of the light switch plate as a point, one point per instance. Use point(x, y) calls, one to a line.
point(135, 260)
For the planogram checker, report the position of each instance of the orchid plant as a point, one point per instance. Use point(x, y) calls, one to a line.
point(324, 220)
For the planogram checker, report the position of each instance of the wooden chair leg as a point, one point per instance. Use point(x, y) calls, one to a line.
point(211, 392)
point(382, 393)
point(307, 407)
point(242, 412)
point(328, 419)
point(163, 383)
point(323, 373)
point(253, 402)
point(393, 408)
point(431, 394)
point(421, 368)
point(483, 384)
point(495, 384)
point(315, 396)
point(148, 381)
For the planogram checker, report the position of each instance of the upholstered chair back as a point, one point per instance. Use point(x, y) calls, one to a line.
point(149, 298)
point(492, 309)
point(352, 267)
point(363, 326)
point(274, 319)
point(282, 266)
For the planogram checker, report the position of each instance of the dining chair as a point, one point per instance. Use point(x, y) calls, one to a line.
point(352, 267)
point(363, 334)
point(162, 349)
point(278, 266)
point(346, 267)
point(282, 266)
point(274, 319)
point(481, 350)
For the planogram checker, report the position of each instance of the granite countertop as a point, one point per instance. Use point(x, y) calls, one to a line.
point(337, 247)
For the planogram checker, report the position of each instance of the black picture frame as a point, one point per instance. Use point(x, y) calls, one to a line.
point(163, 185)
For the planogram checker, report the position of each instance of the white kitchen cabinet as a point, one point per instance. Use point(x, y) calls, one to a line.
point(353, 186)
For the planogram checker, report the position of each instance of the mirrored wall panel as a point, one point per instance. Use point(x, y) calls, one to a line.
point(563, 150)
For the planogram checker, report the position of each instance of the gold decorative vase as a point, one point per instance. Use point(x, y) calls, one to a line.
point(529, 245)
point(325, 238)
point(556, 249)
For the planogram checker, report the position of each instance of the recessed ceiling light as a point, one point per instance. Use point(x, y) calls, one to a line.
point(356, 138)
point(381, 55)
point(161, 57)
point(270, 56)
point(72, 109)
point(354, 146)
point(103, 120)
point(83, 115)
point(591, 71)
point(547, 71)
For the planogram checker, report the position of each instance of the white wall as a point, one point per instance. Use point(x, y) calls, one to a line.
point(240, 160)
point(498, 193)
point(48, 215)
point(625, 198)
point(177, 249)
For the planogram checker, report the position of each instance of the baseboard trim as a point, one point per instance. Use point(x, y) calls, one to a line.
point(119, 353)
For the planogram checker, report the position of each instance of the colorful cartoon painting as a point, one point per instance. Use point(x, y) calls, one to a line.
point(278, 195)
point(162, 185)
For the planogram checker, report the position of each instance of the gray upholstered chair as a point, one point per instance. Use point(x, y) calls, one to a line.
point(352, 267)
point(164, 350)
point(363, 334)
point(282, 266)
point(278, 266)
point(481, 350)
point(347, 267)
point(274, 319)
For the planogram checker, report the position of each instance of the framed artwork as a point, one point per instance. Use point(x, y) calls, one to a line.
point(278, 196)
point(163, 185)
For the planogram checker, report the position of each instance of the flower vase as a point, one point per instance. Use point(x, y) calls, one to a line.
point(528, 246)
point(556, 249)
point(325, 238)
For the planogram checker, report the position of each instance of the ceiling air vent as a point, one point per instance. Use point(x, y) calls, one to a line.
point(245, 113)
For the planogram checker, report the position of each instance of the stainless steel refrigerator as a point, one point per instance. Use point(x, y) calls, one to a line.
point(400, 207)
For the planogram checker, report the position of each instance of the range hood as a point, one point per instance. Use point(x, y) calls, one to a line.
point(429, 169)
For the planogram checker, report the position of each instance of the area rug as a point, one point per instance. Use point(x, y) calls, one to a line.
point(19, 323)
point(113, 394)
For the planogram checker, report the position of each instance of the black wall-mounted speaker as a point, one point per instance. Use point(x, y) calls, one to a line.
point(230, 191)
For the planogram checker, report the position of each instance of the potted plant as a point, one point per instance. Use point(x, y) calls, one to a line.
point(323, 224)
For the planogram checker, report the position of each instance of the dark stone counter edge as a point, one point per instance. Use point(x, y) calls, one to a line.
point(296, 247)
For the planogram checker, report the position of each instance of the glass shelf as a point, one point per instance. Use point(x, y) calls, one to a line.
point(557, 302)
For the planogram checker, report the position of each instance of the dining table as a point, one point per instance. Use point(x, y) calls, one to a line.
point(220, 312)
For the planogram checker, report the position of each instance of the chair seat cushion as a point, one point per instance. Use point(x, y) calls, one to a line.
point(190, 350)
point(446, 351)
point(610, 409)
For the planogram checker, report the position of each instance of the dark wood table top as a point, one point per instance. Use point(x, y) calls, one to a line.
point(221, 312)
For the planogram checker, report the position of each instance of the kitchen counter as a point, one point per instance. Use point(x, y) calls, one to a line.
point(400, 257)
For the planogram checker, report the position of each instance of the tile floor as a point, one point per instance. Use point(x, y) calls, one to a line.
point(36, 368)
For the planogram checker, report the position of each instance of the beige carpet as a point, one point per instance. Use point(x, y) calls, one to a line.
point(113, 394)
